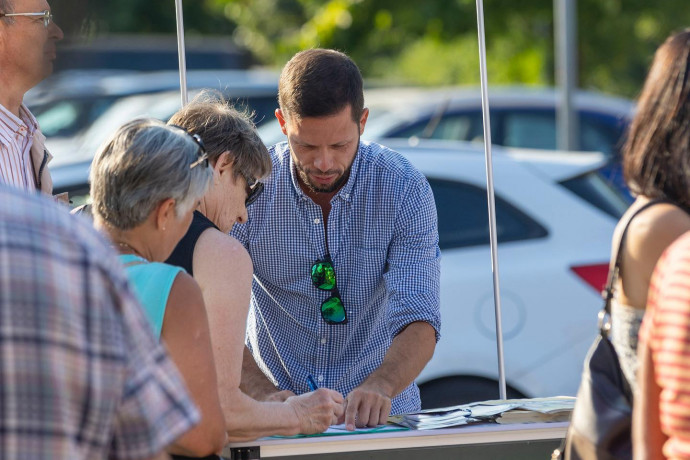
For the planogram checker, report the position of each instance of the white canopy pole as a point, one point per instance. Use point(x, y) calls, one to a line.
point(181, 52)
point(491, 199)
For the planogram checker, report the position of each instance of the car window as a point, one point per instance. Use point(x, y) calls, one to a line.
point(457, 126)
point(599, 192)
point(601, 133)
point(529, 129)
point(64, 118)
point(537, 130)
point(463, 218)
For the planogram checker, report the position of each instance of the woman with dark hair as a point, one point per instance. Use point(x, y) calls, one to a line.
point(656, 163)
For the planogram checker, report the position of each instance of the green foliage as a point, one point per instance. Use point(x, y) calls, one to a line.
point(429, 42)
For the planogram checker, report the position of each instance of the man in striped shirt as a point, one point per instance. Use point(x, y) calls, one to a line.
point(27, 50)
point(661, 419)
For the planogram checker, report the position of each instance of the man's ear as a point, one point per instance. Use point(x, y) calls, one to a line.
point(165, 212)
point(281, 120)
point(363, 120)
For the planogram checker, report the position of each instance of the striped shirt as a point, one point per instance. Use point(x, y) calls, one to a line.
point(81, 375)
point(666, 330)
point(16, 138)
point(383, 241)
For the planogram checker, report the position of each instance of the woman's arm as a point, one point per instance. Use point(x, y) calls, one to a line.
point(186, 335)
point(224, 270)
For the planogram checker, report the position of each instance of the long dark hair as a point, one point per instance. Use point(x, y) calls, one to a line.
point(656, 155)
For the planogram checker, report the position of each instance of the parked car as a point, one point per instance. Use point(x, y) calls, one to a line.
point(521, 117)
point(77, 121)
point(555, 218)
point(69, 102)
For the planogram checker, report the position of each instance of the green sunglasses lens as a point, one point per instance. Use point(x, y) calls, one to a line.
point(323, 276)
point(333, 311)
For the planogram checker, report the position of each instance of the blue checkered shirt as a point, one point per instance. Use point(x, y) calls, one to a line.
point(383, 240)
point(81, 375)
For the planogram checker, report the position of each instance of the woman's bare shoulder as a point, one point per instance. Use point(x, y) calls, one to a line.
point(218, 255)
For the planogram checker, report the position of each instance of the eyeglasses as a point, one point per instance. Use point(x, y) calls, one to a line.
point(323, 277)
point(46, 15)
point(254, 190)
point(201, 153)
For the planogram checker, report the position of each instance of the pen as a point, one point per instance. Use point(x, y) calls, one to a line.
point(312, 384)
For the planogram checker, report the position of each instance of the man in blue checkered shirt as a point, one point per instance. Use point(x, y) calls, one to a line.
point(344, 243)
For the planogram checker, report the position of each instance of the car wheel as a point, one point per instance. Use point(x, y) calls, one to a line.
point(461, 389)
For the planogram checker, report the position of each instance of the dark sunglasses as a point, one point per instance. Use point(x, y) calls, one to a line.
point(254, 190)
point(323, 277)
point(201, 153)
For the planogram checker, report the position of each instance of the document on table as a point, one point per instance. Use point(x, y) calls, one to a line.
point(550, 409)
point(340, 429)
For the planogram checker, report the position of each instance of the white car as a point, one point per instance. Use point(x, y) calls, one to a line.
point(555, 219)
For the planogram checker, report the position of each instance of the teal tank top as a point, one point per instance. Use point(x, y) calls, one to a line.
point(152, 282)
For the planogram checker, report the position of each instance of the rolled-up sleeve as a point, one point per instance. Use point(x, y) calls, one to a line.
point(413, 273)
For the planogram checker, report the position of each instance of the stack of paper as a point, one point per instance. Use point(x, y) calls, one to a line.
point(434, 418)
point(501, 411)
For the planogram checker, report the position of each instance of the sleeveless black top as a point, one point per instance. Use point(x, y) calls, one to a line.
point(183, 255)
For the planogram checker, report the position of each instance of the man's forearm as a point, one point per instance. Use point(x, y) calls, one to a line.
point(254, 382)
point(411, 349)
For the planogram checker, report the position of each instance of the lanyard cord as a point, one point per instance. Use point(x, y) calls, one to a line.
point(270, 337)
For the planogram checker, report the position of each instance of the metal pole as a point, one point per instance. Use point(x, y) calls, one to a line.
point(491, 199)
point(565, 31)
point(181, 52)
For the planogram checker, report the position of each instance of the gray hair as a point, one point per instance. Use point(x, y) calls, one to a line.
point(225, 129)
point(143, 163)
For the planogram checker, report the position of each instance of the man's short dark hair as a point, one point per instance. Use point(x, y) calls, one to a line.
point(320, 83)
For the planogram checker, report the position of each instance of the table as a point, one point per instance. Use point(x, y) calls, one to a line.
point(483, 441)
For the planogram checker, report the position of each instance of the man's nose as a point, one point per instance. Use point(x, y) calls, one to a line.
point(323, 160)
point(56, 32)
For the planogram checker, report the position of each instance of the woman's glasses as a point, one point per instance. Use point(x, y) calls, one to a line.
point(254, 189)
point(323, 277)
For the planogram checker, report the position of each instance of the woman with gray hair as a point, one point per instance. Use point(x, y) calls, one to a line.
point(146, 181)
point(223, 269)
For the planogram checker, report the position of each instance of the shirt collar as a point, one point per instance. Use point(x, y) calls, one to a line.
point(25, 122)
point(345, 191)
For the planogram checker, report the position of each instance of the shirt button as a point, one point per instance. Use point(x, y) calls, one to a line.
point(323, 340)
point(317, 221)
point(320, 378)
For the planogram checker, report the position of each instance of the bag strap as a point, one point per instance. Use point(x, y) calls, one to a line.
point(616, 256)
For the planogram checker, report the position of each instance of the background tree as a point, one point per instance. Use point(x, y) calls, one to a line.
point(429, 43)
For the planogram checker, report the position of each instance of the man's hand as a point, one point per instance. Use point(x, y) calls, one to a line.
point(317, 410)
point(367, 405)
point(278, 396)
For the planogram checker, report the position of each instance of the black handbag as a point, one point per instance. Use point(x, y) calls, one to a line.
point(601, 422)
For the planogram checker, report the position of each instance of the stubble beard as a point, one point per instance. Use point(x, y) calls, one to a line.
point(339, 181)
